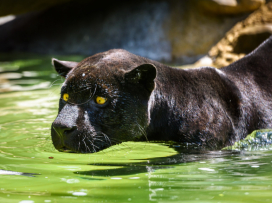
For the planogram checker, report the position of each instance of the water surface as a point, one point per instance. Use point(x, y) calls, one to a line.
point(31, 170)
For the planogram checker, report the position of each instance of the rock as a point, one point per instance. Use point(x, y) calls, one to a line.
point(229, 7)
point(193, 32)
point(243, 38)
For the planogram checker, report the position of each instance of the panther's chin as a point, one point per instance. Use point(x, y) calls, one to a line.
point(75, 141)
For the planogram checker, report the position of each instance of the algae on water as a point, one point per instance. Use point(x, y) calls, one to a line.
point(257, 140)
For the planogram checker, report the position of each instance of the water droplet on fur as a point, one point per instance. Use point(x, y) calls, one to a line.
point(83, 74)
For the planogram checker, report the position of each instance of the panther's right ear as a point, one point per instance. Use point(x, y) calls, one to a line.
point(63, 67)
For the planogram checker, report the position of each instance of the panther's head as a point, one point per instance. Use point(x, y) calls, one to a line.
point(103, 101)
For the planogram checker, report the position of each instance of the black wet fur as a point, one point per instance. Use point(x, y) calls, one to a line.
point(148, 100)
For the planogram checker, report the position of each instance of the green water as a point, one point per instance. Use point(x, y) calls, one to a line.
point(130, 172)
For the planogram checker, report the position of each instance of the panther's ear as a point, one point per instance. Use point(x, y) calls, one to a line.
point(63, 67)
point(143, 74)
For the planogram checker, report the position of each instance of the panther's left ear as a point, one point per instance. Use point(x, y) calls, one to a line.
point(143, 74)
point(63, 67)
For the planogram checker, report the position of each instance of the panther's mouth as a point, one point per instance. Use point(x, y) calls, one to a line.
point(74, 141)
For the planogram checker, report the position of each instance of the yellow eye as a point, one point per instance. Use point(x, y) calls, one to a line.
point(101, 100)
point(65, 97)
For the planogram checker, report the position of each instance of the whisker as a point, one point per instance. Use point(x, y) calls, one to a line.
point(107, 138)
point(53, 83)
point(85, 144)
point(98, 139)
point(142, 131)
point(87, 99)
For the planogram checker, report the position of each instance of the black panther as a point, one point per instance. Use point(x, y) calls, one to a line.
point(117, 96)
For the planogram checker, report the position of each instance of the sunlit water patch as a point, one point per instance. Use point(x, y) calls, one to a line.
point(32, 171)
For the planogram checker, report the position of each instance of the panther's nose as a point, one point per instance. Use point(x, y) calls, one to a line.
point(63, 130)
point(62, 135)
point(65, 123)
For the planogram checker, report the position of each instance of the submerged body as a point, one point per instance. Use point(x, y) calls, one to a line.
point(117, 96)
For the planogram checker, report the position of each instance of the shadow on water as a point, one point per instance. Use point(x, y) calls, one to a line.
point(184, 155)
